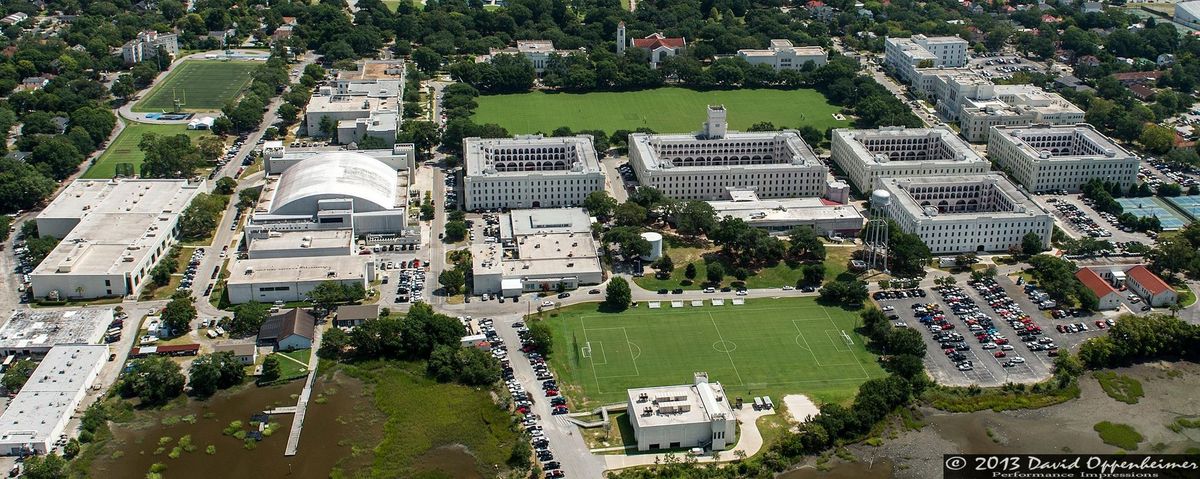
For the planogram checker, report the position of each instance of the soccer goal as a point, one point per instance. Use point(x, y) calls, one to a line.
point(849, 342)
point(586, 350)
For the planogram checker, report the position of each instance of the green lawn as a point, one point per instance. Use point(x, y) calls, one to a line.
point(665, 110)
point(289, 368)
point(203, 85)
point(777, 276)
point(124, 148)
point(765, 347)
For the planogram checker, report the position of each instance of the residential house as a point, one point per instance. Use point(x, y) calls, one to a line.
point(1141, 92)
point(288, 331)
point(1134, 78)
point(353, 315)
point(247, 353)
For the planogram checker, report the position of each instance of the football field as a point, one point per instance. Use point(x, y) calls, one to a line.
point(764, 347)
point(203, 85)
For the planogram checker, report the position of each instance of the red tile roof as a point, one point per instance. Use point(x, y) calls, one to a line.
point(1131, 76)
point(1141, 91)
point(1150, 281)
point(656, 40)
point(1094, 282)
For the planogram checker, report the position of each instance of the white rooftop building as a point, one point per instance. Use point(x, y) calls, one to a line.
point(684, 416)
point(782, 55)
point(706, 164)
point(288, 279)
point(146, 46)
point(979, 105)
point(962, 214)
point(1060, 157)
point(781, 215)
point(37, 417)
point(537, 52)
point(907, 55)
point(529, 171)
point(34, 332)
point(361, 103)
point(113, 232)
point(538, 251)
point(402, 157)
point(869, 155)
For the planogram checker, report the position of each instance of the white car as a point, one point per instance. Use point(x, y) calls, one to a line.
point(741, 292)
point(788, 288)
point(989, 346)
point(1017, 359)
point(547, 303)
point(889, 308)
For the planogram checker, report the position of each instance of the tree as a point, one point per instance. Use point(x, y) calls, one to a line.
point(904, 341)
point(179, 314)
point(456, 231)
point(716, 273)
point(690, 271)
point(169, 156)
point(333, 342)
point(541, 337)
point(155, 380)
point(17, 374)
point(327, 295)
point(695, 218)
point(327, 127)
point(1031, 244)
point(452, 281)
point(812, 274)
point(225, 186)
point(665, 264)
point(248, 318)
point(427, 60)
point(804, 244)
point(1157, 139)
point(22, 186)
point(617, 296)
point(422, 134)
point(630, 214)
point(599, 204)
point(50, 466)
point(851, 292)
point(270, 370)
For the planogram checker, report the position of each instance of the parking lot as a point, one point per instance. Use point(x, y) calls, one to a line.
point(1003, 66)
point(1078, 219)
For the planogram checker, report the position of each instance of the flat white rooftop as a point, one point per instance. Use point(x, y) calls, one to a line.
point(548, 220)
point(900, 145)
point(1059, 142)
point(937, 197)
point(283, 270)
point(678, 405)
point(526, 155)
point(295, 240)
point(51, 394)
point(743, 150)
point(338, 103)
point(119, 223)
point(785, 210)
point(37, 330)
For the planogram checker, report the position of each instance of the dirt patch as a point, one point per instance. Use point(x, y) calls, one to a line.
point(1063, 428)
point(800, 407)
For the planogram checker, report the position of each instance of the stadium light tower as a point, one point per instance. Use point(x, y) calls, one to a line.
point(177, 101)
point(876, 236)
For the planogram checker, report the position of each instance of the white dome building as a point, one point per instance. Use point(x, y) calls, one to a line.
point(368, 182)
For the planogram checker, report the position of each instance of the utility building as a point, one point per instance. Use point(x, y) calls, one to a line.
point(782, 55)
point(685, 416)
point(113, 233)
point(37, 417)
point(539, 250)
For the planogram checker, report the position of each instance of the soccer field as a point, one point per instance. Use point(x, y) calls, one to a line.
point(664, 110)
point(767, 346)
point(124, 149)
point(204, 85)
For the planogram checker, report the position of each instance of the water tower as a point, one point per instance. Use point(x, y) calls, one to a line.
point(876, 235)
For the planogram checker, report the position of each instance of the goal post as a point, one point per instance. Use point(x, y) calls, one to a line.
point(849, 342)
point(586, 350)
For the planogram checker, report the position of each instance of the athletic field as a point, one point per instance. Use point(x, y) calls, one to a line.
point(124, 149)
point(664, 110)
point(766, 346)
point(203, 85)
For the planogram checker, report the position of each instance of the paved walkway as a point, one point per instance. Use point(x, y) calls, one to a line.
point(750, 441)
point(302, 402)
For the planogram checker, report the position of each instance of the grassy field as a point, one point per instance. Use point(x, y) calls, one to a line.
point(204, 85)
point(778, 276)
point(665, 110)
point(767, 346)
point(1120, 435)
point(124, 148)
point(293, 364)
point(423, 415)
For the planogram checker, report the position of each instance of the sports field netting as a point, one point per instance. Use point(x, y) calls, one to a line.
point(1189, 205)
point(763, 347)
point(1150, 206)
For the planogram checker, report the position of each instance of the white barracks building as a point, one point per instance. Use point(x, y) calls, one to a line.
point(961, 214)
point(529, 171)
point(867, 155)
point(706, 165)
point(1060, 157)
point(688, 415)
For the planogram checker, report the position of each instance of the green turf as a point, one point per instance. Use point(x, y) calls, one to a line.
point(289, 368)
point(665, 110)
point(765, 347)
point(204, 85)
point(778, 276)
point(124, 148)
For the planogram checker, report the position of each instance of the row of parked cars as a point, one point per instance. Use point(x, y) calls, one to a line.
point(410, 285)
point(189, 274)
point(899, 294)
point(558, 405)
point(1080, 219)
point(1027, 329)
point(1177, 174)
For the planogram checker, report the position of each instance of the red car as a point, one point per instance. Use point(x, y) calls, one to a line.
point(1101, 324)
point(551, 392)
point(999, 354)
point(1053, 352)
point(1001, 341)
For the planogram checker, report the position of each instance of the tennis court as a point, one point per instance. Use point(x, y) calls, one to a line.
point(1189, 205)
point(1150, 206)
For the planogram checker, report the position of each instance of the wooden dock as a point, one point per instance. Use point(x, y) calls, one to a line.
point(293, 443)
point(281, 410)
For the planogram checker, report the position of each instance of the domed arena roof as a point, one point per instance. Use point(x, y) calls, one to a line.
point(338, 174)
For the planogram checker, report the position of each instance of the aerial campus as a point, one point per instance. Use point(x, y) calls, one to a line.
point(623, 240)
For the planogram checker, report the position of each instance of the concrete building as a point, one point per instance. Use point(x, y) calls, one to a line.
point(961, 214)
point(247, 353)
point(1150, 287)
point(780, 216)
point(538, 251)
point(538, 52)
point(297, 244)
point(907, 55)
point(146, 46)
point(684, 416)
point(402, 157)
point(289, 331)
point(289, 279)
point(529, 171)
point(361, 103)
point(1060, 157)
point(1110, 298)
point(781, 55)
point(705, 164)
point(890, 152)
point(38, 416)
point(35, 332)
point(1188, 13)
point(339, 190)
point(113, 233)
point(978, 104)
